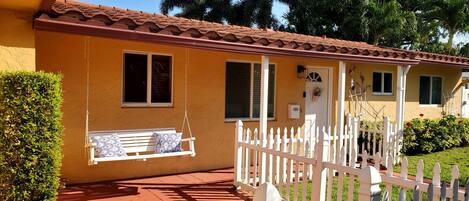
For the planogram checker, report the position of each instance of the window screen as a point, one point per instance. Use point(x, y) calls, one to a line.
point(135, 78)
point(424, 90)
point(436, 90)
point(387, 88)
point(256, 99)
point(377, 82)
point(237, 90)
point(161, 79)
point(430, 90)
point(382, 83)
point(241, 78)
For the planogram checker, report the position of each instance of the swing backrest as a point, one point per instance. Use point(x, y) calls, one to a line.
point(136, 141)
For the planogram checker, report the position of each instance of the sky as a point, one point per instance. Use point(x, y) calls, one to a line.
point(153, 6)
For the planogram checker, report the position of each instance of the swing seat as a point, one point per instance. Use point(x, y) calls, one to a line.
point(138, 145)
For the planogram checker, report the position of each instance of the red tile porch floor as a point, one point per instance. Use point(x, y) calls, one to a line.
point(207, 185)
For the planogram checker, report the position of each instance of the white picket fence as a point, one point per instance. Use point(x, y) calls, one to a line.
point(380, 139)
point(311, 167)
point(383, 141)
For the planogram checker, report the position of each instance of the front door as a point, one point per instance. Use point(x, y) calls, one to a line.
point(317, 99)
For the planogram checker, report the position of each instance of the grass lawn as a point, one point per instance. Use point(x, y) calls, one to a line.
point(447, 158)
point(394, 195)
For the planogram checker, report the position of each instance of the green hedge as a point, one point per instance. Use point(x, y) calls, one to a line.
point(30, 135)
point(423, 136)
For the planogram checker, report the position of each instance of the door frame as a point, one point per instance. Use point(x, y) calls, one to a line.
point(330, 85)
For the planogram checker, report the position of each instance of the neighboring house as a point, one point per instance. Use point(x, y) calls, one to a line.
point(132, 70)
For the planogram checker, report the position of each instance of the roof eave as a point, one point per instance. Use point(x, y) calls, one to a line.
point(83, 29)
point(437, 62)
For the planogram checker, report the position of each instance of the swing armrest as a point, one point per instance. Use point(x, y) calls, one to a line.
point(188, 139)
point(90, 144)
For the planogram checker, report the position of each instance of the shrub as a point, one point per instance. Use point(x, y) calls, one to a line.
point(426, 136)
point(30, 135)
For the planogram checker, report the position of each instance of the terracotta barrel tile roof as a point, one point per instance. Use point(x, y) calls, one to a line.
point(156, 24)
point(439, 58)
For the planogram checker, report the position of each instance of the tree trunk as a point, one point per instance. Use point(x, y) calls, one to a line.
point(449, 45)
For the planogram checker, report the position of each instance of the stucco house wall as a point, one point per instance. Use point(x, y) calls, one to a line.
point(71, 55)
point(387, 103)
point(17, 43)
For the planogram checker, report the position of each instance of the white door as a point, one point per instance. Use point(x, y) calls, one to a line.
point(317, 99)
point(465, 101)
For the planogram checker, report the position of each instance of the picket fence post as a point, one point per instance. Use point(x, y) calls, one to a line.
point(369, 184)
point(436, 181)
point(386, 135)
point(319, 172)
point(355, 132)
point(238, 152)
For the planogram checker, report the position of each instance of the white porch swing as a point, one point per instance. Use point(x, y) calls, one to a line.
point(140, 144)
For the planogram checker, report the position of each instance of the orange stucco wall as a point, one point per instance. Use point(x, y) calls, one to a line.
point(386, 104)
point(71, 54)
point(16, 40)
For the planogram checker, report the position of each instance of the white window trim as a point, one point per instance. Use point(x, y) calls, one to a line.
point(251, 94)
point(148, 103)
point(382, 93)
point(431, 90)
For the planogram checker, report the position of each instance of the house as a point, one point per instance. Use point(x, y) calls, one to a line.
point(127, 69)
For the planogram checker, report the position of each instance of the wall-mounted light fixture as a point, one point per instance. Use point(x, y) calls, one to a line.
point(300, 71)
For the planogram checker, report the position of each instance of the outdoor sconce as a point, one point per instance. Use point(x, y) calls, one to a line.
point(301, 71)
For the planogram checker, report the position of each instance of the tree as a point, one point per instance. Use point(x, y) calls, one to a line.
point(464, 50)
point(452, 15)
point(208, 10)
point(244, 12)
point(334, 18)
point(250, 13)
point(390, 25)
point(380, 22)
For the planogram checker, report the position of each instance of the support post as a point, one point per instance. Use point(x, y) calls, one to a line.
point(263, 111)
point(341, 104)
point(400, 100)
point(238, 160)
point(319, 177)
point(369, 179)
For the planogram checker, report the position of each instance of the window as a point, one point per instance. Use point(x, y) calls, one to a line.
point(147, 80)
point(382, 83)
point(430, 90)
point(243, 88)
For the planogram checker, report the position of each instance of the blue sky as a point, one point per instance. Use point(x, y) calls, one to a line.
point(153, 6)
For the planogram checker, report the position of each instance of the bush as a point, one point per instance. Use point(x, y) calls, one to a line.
point(30, 135)
point(425, 136)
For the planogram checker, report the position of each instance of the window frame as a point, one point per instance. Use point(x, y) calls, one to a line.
point(431, 90)
point(382, 93)
point(251, 93)
point(148, 102)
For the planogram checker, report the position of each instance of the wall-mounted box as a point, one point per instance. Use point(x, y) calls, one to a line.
point(294, 111)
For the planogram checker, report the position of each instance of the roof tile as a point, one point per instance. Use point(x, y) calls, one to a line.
point(99, 15)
